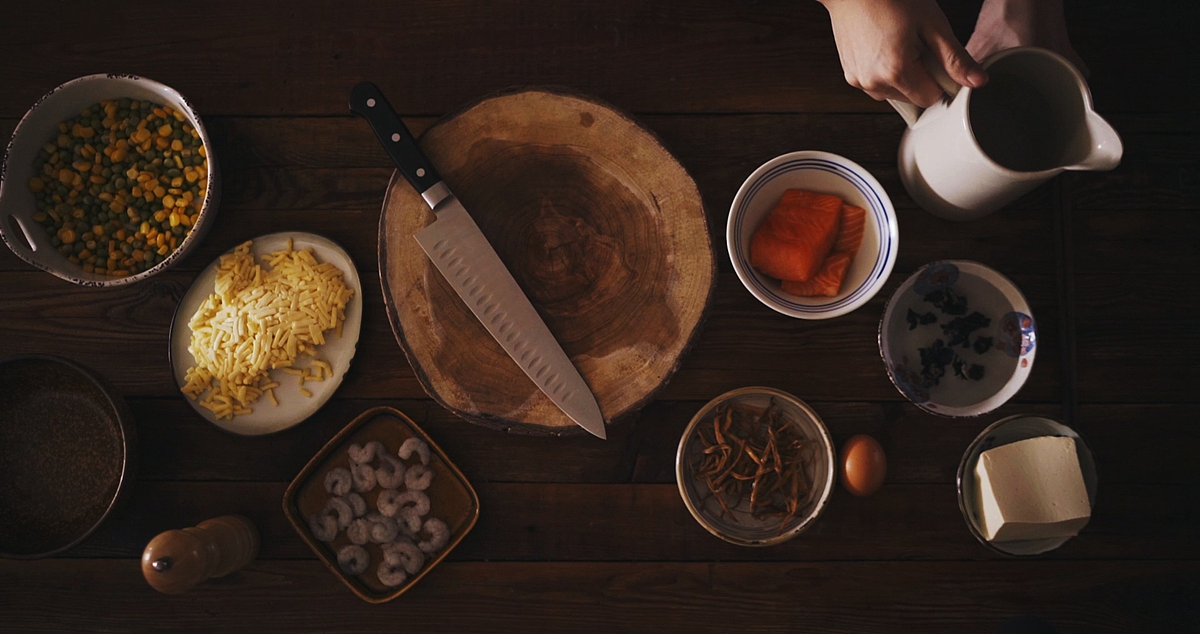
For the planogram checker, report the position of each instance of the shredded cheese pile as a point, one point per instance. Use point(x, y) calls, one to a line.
point(257, 320)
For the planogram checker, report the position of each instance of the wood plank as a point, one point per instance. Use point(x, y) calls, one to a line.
point(703, 56)
point(127, 329)
point(71, 594)
point(328, 176)
point(176, 444)
point(1133, 444)
point(1138, 337)
point(648, 522)
point(1157, 172)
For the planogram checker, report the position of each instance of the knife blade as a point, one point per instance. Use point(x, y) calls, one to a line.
point(462, 254)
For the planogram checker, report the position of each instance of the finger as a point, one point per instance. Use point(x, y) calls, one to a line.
point(959, 64)
point(918, 86)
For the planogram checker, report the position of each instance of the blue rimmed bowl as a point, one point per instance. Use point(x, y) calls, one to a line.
point(922, 312)
point(828, 174)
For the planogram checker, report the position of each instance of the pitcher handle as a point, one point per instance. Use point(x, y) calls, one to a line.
point(912, 112)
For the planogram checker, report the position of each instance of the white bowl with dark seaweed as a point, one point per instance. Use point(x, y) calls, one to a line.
point(958, 338)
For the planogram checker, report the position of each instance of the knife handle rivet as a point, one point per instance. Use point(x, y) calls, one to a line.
point(420, 172)
point(396, 136)
point(370, 103)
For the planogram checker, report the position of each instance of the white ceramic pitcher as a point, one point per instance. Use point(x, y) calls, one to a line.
point(982, 148)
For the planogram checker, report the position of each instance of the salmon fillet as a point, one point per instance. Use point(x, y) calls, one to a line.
point(828, 281)
point(797, 236)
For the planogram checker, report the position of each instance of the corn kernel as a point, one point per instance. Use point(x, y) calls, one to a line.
point(174, 220)
point(36, 184)
point(177, 181)
point(65, 176)
point(160, 215)
point(176, 145)
point(139, 256)
point(162, 249)
point(145, 228)
point(163, 130)
point(161, 143)
point(168, 201)
point(203, 152)
point(98, 179)
point(136, 191)
point(159, 192)
point(116, 206)
point(106, 197)
point(85, 254)
point(178, 162)
point(119, 155)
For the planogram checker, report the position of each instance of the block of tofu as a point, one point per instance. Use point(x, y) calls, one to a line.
point(1032, 489)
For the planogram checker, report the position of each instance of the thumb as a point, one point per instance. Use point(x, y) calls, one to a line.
point(958, 63)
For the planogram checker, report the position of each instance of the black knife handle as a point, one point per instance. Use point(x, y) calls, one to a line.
point(368, 102)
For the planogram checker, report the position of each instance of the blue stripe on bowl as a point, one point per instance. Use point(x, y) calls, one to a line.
point(874, 204)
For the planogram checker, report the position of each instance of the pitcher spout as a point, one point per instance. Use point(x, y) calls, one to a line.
point(1104, 146)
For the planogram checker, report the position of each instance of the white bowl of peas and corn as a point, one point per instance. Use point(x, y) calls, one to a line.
point(107, 180)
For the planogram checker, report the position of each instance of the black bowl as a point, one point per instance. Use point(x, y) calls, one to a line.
point(67, 445)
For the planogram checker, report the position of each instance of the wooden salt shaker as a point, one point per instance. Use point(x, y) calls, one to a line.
point(177, 560)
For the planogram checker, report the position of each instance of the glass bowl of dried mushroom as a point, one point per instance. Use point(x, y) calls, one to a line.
point(958, 338)
point(755, 466)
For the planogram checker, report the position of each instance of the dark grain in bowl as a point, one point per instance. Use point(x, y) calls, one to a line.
point(65, 455)
point(451, 497)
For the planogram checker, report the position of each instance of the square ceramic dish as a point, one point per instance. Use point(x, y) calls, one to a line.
point(740, 526)
point(451, 497)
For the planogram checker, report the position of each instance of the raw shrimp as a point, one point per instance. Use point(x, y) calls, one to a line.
point(337, 481)
point(405, 554)
point(365, 454)
point(410, 520)
point(359, 531)
point(387, 502)
point(417, 445)
point(353, 559)
point(357, 504)
point(384, 530)
point(363, 475)
point(418, 499)
point(439, 534)
point(324, 527)
point(418, 478)
point(341, 507)
point(390, 472)
point(390, 575)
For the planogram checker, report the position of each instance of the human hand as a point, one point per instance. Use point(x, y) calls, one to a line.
point(1007, 23)
point(885, 44)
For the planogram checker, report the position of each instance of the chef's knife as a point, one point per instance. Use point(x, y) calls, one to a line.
point(460, 251)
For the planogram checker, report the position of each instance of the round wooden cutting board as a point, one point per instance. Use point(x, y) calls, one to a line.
point(599, 224)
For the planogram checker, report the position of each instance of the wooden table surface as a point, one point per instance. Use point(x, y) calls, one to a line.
point(578, 534)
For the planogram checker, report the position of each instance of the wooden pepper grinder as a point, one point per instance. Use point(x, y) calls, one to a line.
point(177, 560)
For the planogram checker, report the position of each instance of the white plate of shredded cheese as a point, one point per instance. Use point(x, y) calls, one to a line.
point(265, 334)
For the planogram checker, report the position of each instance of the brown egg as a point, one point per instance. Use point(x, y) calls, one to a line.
point(863, 465)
